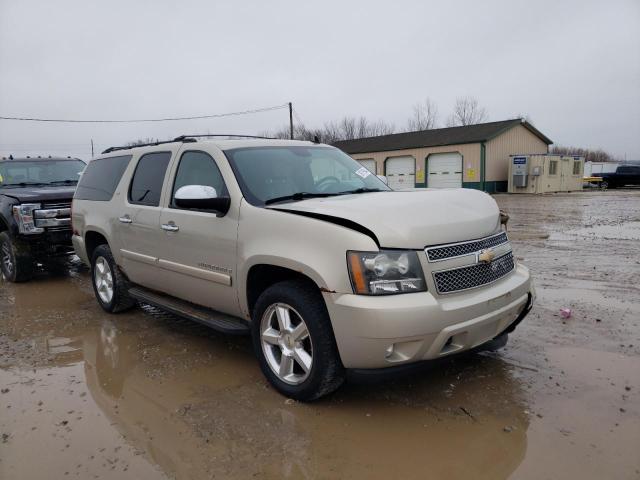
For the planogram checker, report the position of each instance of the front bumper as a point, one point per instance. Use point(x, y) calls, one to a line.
point(421, 326)
point(50, 243)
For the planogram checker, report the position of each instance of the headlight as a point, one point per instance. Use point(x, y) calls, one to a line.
point(23, 215)
point(386, 272)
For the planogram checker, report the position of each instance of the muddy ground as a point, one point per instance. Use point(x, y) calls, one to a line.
point(146, 395)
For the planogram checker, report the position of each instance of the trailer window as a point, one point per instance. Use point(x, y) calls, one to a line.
point(553, 167)
point(576, 167)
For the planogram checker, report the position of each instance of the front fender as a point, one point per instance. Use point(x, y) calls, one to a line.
point(316, 248)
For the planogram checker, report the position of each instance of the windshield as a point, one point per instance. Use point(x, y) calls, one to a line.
point(40, 172)
point(268, 174)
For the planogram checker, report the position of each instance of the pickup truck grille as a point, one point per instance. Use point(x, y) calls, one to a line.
point(54, 216)
point(453, 250)
point(473, 276)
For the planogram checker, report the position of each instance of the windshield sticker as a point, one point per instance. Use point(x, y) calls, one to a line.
point(363, 172)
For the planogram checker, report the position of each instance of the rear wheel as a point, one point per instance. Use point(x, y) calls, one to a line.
point(294, 342)
point(109, 285)
point(16, 263)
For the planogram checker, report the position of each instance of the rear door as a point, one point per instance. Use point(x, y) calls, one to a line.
point(198, 248)
point(138, 222)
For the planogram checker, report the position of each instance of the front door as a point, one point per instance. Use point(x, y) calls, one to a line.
point(198, 248)
point(138, 221)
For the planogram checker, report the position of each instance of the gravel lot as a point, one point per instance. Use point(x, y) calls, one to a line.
point(146, 395)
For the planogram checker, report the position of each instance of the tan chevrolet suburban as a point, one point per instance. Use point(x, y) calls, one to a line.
point(299, 245)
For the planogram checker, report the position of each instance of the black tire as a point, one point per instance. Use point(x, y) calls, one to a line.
point(327, 372)
point(16, 262)
point(495, 344)
point(120, 300)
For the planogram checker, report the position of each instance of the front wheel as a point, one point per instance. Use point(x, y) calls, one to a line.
point(109, 284)
point(16, 262)
point(294, 341)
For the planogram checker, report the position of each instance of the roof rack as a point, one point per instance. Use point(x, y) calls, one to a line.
point(184, 139)
point(127, 147)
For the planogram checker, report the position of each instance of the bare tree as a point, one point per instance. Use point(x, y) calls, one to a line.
point(141, 141)
point(466, 111)
point(425, 116)
point(347, 128)
point(598, 155)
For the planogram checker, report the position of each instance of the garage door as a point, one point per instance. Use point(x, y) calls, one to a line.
point(401, 172)
point(369, 164)
point(444, 170)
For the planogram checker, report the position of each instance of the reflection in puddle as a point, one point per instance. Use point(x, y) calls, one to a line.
point(195, 403)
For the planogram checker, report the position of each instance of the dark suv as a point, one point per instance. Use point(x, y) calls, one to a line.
point(35, 212)
point(623, 176)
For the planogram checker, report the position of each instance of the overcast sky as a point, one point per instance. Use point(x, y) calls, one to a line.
point(572, 66)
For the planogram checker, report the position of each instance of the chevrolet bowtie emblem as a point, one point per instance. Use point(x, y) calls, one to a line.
point(485, 256)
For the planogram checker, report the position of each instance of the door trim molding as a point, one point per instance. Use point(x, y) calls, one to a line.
point(196, 272)
point(138, 257)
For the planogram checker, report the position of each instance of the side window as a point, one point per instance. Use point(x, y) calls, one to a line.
point(553, 167)
point(198, 168)
point(146, 184)
point(101, 177)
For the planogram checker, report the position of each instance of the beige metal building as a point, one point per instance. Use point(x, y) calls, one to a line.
point(545, 173)
point(473, 156)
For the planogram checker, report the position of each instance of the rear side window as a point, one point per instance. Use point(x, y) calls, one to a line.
point(148, 178)
point(101, 177)
point(629, 170)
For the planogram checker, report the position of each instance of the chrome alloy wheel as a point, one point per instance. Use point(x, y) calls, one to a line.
point(103, 279)
point(6, 258)
point(286, 343)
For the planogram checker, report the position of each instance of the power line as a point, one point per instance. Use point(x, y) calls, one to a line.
point(169, 119)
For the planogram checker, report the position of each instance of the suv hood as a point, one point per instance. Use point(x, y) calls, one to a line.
point(409, 219)
point(39, 194)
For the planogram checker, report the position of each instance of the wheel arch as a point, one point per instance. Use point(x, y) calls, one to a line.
point(262, 275)
point(92, 240)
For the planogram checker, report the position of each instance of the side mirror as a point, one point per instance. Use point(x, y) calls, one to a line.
point(202, 197)
point(383, 178)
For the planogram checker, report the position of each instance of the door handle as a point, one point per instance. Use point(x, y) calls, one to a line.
point(125, 219)
point(170, 227)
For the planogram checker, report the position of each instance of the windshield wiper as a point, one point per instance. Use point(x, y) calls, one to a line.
point(23, 184)
point(363, 190)
point(63, 182)
point(298, 196)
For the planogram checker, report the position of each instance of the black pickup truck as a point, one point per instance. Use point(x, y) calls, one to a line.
point(625, 175)
point(35, 213)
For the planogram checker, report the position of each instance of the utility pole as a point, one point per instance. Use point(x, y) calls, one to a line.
point(291, 120)
point(92, 148)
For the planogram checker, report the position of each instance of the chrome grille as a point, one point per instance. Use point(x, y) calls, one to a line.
point(54, 216)
point(444, 252)
point(473, 276)
point(52, 205)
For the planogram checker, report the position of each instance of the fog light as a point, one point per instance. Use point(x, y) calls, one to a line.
point(388, 352)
